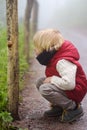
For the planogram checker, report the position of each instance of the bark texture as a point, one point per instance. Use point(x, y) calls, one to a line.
point(13, 57)
point(27, 17)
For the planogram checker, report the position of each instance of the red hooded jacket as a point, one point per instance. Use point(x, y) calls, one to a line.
point(70, 53)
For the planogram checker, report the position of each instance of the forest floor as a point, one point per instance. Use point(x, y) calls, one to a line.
point(33, 106)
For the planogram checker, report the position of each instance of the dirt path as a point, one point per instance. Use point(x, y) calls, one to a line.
point(33, 106)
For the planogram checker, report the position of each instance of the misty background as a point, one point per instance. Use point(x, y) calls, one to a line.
point(59, 14)
point(55, 13)
point(68, 16)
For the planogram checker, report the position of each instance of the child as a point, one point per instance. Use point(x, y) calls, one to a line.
point(65, 84)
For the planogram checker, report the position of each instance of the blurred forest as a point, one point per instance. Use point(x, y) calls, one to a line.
point(55, 13)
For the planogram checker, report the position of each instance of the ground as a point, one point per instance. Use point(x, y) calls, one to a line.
point(33, 106)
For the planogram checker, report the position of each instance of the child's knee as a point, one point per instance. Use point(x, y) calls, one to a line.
point(45, 89)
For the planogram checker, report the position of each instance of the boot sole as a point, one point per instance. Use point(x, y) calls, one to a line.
point(73, 119)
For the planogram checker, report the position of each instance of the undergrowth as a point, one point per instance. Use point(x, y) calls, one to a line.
point(5, 117)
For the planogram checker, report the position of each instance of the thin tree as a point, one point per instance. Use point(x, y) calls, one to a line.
point(35, 17)
point(27, 17)
point(13, 58)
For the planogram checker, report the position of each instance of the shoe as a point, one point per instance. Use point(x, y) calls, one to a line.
point(53, 112)
point(71, 115)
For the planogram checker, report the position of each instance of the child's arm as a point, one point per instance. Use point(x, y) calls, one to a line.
point(67, 71)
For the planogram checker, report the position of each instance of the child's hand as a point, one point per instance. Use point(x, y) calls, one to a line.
point(47, 80)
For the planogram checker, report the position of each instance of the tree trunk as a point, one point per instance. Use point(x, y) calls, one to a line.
point(27, 27)
point(13, 58)
point(34, 18)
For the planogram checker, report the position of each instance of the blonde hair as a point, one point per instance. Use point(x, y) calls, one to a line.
point(48, 39)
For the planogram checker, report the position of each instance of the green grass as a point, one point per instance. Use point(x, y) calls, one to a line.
point(3, 69)
point(23, 65)
point(5, 117)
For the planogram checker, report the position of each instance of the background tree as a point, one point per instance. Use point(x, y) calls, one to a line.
point(27, 17)
point(13, 58)
point(35, 17)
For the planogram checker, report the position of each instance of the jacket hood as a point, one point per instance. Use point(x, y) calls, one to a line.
point(67, 50)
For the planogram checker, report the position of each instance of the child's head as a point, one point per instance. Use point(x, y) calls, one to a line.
point(48, 39)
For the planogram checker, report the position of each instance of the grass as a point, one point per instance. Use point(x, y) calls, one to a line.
point(5, 117)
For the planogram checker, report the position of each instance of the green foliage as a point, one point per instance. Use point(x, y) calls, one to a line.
point(5, 120)
point(3, 70)
point(5, 117)
point(23, 65)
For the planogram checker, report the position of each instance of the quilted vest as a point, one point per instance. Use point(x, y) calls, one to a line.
point(69, 52)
